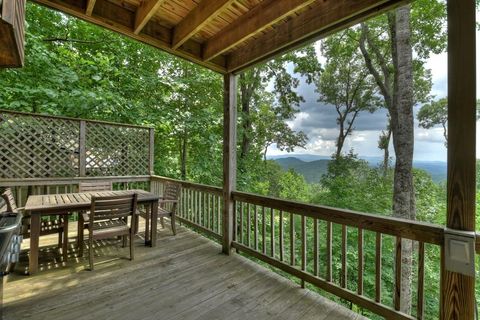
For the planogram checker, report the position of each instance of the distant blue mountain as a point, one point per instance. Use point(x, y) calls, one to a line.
point(312, 167)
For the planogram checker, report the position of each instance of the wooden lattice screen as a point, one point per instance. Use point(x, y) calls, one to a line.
point(37, 146)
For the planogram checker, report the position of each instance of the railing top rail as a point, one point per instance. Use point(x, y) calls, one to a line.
point(191, 185)
point(75, 119)
point(408, 229)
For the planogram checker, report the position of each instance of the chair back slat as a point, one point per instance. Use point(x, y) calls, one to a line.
point(95, 186)
point(113, 207)
point(171, 191)
point(9, 199)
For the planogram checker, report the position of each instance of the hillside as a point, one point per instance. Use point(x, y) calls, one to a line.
point(313, 170)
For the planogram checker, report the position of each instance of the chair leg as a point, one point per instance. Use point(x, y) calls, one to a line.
point(90, 251)
point(124, 241)
point(147, 224)
point(162, 221)
point(172, 220)
point(65, 238)
point(60, 239)
point(132, 247)
point(80, 236)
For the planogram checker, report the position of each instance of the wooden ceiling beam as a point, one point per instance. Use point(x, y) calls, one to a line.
point(256, 20)
point(323, 19)
point(145, 12)
point(121, 20)
point(206, 11)
point(90, 6)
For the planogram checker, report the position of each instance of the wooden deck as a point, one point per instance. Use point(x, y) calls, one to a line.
point(184, 277)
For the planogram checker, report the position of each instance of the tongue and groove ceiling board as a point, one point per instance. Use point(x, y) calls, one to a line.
point(223, 35)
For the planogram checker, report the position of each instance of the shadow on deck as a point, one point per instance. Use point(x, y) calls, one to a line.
point(184, 277)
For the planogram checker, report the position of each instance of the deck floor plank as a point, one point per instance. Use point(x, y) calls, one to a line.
point(184, 277)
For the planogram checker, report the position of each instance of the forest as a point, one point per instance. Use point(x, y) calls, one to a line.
point(79, 70)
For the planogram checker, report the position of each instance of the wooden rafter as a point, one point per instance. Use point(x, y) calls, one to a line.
point(145, 12)
point(121, 20)
point(90, 6)
point(319, 21)
point(254, 21)
point(205, 12)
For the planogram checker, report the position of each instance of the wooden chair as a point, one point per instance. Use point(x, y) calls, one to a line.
point(88, 187)
point(167, 206)
point(108, 218)
point(59, 225)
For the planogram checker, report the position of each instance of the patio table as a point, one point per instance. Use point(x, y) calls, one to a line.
point(38, 205)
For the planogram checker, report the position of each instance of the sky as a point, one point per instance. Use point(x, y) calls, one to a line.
point(318, 122)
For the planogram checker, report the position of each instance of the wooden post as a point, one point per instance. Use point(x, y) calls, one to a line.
point(229, 157)
point(151, 155)
point(82, 150)
point(457, 290)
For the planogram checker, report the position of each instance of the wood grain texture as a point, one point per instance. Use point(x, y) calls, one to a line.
point(229, 156)
point(458, 290)
point(12, 33)
point(408, 229)
point(184, 278)
point(145, 12)
point(377, 308)
point(119, 19)
point(322, 19)
point(203, 14)
point(254, 21)
point(90, 6)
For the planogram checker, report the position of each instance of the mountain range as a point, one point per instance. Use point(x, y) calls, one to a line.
point(312, 167)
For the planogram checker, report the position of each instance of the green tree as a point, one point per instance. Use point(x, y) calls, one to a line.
point(293, 186)
point(434, 113)
point(345, 84)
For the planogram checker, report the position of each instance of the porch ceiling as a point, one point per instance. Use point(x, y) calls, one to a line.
point(223, 35)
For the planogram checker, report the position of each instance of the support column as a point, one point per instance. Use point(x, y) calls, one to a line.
point(458, 295)
point(229, 157)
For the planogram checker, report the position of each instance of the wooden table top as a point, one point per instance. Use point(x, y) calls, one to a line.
point(82, 200)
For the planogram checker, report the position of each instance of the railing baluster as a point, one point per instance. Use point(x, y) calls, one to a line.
point(360, 262)
point(421, 274)
point(280, 231)
point(249, 224)
point(398, 273)
point(264, 231)
point(209, 211)
point(255, 228)
point(219, 220)
point(304, 247)
point(240, 235)
point(235, 221)
point(315, 247)
point(343, 276)
point(329, 251)
point(378, 267)
point(272, 232)
point(292, 239)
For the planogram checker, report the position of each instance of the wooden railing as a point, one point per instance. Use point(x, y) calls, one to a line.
point(296, 238)
point(275, 231)
point(200, 206)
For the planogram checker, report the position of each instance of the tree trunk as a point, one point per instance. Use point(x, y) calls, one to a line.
point(341, 137)
point(401, 115)
point(246, 92)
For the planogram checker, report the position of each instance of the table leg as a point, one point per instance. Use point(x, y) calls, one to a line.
point(34, 238)
point(65, 238)
point(154, 223)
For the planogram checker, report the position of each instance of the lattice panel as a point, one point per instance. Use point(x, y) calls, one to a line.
point(38, 147)
point(116, 151)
